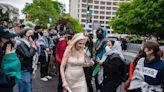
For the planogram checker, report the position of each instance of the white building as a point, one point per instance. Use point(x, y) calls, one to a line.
point(102, 11)
point(8, 11)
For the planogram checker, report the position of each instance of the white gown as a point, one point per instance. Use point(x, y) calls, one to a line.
point(74, 74)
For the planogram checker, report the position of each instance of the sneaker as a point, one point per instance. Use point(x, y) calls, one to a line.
point(49, 77)
point(44, 79)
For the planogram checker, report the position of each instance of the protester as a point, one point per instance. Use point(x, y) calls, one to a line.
point(25, 51)
point(9, 62)
point(100, 50)
point(60, 49)
point(148, 75)
point(17, 28)
point(53, 63)
point(72, 64)
point(37, 33)
point(62, 30)
point(45, 44)
point(135, 61)
point(112, 65)
point(88, 70)
point(124, 43)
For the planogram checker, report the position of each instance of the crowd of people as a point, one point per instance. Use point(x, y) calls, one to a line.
point(78, 60)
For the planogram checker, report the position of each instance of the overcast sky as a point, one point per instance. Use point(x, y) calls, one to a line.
point(20, 4)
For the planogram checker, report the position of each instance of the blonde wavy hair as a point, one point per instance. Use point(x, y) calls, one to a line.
point(77, 37)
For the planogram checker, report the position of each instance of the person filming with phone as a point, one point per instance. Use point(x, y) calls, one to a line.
point(9, 62)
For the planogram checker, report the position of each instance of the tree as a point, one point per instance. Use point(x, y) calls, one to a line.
point(75, 24)
point(71, 23)
point(59, 8)
point(142, 17)
point(41, 10)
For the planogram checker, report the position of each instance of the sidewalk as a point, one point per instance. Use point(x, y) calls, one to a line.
point(128, 53)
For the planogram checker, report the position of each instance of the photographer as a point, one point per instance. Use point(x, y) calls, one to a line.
point(26, 51)
point(9, 62)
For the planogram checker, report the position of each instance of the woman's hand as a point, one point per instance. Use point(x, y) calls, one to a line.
point(88, 63)
point(91, 62)
point(9, 49)
point(65, 85)
point(34, 73)
point(100, 62)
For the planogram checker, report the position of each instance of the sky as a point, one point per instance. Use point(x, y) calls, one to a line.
point(21, 3)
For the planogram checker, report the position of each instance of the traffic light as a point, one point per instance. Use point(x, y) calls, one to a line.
point(89, 15)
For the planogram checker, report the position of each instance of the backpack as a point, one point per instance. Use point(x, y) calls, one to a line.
point(125, 66)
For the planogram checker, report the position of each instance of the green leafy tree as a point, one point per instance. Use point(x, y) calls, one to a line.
point(141, 17)
point(59, 8)
point(40, 10)
point(75, 24)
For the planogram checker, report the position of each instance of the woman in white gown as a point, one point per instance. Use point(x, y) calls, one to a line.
point(73, 61)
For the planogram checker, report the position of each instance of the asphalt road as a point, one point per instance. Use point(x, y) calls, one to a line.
point(51, 85)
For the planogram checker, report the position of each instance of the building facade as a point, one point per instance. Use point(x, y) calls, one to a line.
point(102, 11)
point(8, 11)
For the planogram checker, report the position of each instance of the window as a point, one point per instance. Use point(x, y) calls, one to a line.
point(108, 17)
point(96, 2)
point(84, 10)
point(115, 3)
point(83, 0)
point(95, 21)
point(114, 13)
point(102, 22)
point(108, 13)
point(83, 15)
point(96, 7)
point(114, 8)
point(83, 20)
point(84, 5)
point(90, 6)
point(108, 8)
point(102, 12)
point(102, 7)
point(101, 17)
point(95, 17)
point(96, 12)
point(102, 3)
point(90, 1)
point(109, 3)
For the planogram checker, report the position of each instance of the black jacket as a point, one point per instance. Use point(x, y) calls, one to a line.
point(25, 55)
point(113, 72)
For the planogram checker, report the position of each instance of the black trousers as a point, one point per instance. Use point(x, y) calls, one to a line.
point(60, 84)
point(135, 90)
point(109, 85)
point(88, 75)
point(44, 66)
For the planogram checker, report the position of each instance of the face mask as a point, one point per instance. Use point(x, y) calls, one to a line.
point(45, 35)
point(107, 49)
point(99, 36)
point(31, 36)
point(41, 33)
